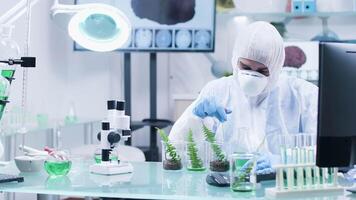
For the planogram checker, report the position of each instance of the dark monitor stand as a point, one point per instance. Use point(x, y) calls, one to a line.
point(336, 141)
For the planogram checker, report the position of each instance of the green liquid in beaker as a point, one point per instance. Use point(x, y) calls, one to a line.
point(112, 158)
point(241, 162)
point(8, 73)
point(57, 168)
point(196, 169)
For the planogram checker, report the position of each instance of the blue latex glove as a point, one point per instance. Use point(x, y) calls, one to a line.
point(263, 166)
point(209, 107)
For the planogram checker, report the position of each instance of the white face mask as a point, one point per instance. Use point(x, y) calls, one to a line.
point(252, 82)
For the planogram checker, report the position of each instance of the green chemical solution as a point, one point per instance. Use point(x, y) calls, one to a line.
point(112, 158)
point(241, 181)
point(58, 168)
point(196, 169)
point(8, 73)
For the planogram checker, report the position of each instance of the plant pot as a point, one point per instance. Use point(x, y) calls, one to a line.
point(172, 155)
point(219, 165)
point(172, 165)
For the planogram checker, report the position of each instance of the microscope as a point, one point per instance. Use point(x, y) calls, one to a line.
point(115, 129)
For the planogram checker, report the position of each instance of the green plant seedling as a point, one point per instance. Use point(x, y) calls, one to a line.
point(196, 163)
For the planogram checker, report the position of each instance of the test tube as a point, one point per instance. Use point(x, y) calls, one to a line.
point(316, 176)
point(335, 176)
point(325, 176)
point(308, 170)
point(291, 159)
point(300, 160)
point(279, 179)
point(330, 176)
point(290, 178)
point(283, 151)
point(309, 155)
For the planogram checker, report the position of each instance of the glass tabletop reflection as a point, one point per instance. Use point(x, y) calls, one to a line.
point(149, 181)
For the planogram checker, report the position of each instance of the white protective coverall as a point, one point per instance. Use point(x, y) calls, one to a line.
point(287, 105)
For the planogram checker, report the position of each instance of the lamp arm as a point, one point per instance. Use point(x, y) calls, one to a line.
point(63, 8)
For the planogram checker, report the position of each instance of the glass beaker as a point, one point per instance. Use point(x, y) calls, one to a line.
point(172, 155)
point(218, 161)
point(58, 163)
point(196, 153)
point(242, 176)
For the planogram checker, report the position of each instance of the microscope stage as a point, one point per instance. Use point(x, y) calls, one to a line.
point(111, 168)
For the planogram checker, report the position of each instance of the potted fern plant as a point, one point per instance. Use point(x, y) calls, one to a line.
point(218, 160)
point(194, 152)
point(171, 158)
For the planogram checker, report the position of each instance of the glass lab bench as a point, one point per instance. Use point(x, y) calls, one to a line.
point(149, 181)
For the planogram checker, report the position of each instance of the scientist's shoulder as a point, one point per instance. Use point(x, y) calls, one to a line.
point(298, 85)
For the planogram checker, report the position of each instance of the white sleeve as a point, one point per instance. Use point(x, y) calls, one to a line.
point(1, 149)
point(309, 118)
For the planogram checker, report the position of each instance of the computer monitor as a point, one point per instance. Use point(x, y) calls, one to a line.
point(166, 25)
point(336, 138)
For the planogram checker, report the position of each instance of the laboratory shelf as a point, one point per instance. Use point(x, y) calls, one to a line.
point(33, 128)
point(148, 181)
point(262, 15)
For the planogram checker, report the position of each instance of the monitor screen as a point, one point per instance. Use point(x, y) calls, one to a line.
point(166, 25)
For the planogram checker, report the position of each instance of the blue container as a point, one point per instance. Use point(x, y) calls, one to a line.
point(297, 6)
point(309, 6)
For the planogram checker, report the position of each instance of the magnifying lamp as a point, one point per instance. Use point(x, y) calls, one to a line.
point(95, 26)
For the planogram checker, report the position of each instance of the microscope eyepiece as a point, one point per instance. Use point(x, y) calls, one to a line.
point(120, 105)
point(111, 105)
point(105, 126)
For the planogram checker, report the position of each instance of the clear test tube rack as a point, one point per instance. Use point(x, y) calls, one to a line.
point(294, 179)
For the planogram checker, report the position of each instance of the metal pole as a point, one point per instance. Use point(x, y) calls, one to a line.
point(153, 106)
point(127, 88)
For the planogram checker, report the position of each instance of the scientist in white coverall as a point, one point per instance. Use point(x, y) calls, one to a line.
point(256, 99)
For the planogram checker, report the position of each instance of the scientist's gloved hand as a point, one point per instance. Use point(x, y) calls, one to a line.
point(263, 166)
point(209, 107)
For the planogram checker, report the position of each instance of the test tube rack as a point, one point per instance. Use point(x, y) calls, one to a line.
point(294, 179)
